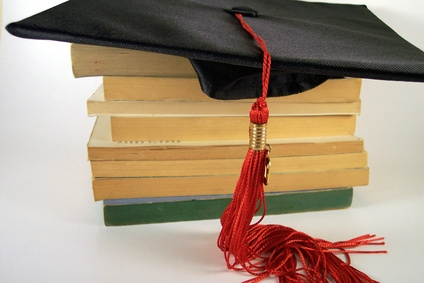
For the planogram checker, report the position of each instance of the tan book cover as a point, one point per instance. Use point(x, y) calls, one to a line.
point(102, 147)
point(91, 60)
point(97, 105)
point(132, 128)
point(116, 188)
point(188, 89)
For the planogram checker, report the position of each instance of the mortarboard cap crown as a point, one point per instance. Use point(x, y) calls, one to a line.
point(308, 42)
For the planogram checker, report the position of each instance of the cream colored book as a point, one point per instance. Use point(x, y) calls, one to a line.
point(157, 128)
point(90, 60)
point(97, 105)
point(200, 167)
point(188, 89)
point(119, 188)
point(101, 146)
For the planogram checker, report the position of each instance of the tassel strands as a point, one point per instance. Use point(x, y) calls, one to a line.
point(265, 250)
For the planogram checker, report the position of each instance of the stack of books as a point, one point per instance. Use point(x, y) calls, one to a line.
point(162, 151)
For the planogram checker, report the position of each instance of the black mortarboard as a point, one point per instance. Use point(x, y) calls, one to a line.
point(308, 42)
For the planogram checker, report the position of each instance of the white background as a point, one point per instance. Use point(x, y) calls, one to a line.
point(51, 230)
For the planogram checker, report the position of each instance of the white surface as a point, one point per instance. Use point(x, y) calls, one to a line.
point(51, 230)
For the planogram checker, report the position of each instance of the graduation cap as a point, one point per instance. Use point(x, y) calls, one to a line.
point(308, 42)
point(286, 47)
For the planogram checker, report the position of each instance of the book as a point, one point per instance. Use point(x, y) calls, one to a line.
point(200, 167)
point(135, 128)
point(101, 147)
point(117, 188)
point(90, 60)
point(97, 105)
point(188, 89)
point(120, 212)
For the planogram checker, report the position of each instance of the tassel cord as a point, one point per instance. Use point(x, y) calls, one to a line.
point(266, 65)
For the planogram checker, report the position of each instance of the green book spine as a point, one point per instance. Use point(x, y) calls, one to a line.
point(190, 210)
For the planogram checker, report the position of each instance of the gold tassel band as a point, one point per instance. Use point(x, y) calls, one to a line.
point(257, 135)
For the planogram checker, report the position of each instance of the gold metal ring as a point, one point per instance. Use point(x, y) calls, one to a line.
point(257, 135)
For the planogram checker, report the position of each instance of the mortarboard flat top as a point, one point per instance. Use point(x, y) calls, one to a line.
point(308, 42)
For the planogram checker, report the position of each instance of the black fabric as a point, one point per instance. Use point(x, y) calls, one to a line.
point(308, 42)
point(224, 81)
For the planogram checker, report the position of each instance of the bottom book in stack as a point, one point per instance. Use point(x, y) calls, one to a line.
point(118, 212)
point(167, 181)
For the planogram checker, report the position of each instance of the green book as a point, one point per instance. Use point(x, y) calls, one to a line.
point(159, 210)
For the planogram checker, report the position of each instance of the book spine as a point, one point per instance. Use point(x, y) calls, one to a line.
point(115, 188)
point(226, 128)
point(181, 168)
point(118, 215)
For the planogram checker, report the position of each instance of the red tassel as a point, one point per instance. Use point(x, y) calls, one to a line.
point(264, 250)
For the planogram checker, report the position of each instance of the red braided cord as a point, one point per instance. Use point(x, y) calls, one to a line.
point(266, 65)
